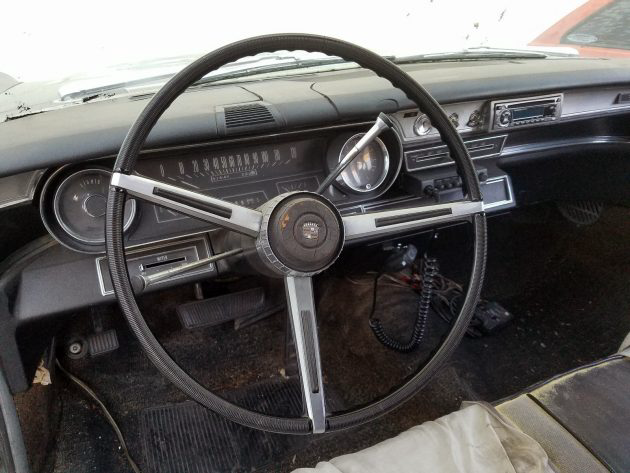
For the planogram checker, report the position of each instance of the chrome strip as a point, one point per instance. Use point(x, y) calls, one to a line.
point(241, 219)
point(299, 291)
point(549, 145)
point(466, 142)
point(162, 246)
point(500, 203)
point(601, 111)
point(366, 225)
point(31, 187)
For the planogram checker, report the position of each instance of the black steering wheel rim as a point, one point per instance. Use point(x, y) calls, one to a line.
point(125, 163)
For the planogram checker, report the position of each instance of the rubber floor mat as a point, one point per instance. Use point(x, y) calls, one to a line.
point(186, 437)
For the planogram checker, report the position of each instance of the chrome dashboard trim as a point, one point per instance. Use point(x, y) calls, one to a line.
point(550, 145)
point(31, 188)
point(159, 246)
point(606, 111)
point(466, 142)
point(508, 185)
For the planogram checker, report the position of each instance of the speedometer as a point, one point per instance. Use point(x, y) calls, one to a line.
point(368, 170)
point(80, 203)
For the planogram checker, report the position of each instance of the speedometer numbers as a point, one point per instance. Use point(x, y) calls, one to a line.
point(214, 169)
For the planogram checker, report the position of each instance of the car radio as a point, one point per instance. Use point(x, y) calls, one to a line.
point(508, 114)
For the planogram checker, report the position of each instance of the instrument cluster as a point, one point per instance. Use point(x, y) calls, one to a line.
point(73, 199)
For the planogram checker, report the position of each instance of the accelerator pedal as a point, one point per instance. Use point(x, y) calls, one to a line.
point(238, 306)
point(583, 212)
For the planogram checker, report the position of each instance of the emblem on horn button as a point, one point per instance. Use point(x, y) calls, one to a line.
point(310, 230)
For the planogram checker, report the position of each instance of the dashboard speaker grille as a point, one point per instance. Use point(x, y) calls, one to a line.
point(249, 115)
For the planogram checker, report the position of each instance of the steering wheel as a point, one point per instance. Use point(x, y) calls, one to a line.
point(283, 233)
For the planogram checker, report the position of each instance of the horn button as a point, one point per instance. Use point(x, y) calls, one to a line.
point(305, 232)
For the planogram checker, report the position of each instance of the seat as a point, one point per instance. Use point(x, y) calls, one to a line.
point(583, 413)
point(575, 422)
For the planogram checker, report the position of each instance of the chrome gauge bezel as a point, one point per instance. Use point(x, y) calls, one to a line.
point(381, 178)
point(422, 126)
point(64, 225)
point(53, 220)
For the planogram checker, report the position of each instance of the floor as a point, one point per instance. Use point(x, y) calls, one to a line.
point(566, 285)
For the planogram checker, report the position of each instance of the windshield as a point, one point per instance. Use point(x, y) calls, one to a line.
point(87, 40)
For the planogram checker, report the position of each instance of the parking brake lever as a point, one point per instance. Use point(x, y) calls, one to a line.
point(382, 123)
point(140, 282)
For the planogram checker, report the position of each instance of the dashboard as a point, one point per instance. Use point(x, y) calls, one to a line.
point(214, 141)
point(55, 166)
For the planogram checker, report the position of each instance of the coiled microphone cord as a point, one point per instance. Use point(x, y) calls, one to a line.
point(430, 270)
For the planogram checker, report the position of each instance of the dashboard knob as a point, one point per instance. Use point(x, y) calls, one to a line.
point(475, 119)
point(454, 118)
point(505, 117)
point(422, 126)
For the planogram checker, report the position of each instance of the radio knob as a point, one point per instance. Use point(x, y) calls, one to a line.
point(422, 126)
point(475, 119)
point(454, 118)
point(505, 117)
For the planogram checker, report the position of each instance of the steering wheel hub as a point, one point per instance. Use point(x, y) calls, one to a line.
point(302, 233)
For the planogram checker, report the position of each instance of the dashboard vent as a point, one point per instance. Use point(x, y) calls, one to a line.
point(248, 115)
point(624, 97)
point(146, 96)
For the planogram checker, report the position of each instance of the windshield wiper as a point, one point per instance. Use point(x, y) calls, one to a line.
point(270, 68)
point(235, 70)
point(472, 54)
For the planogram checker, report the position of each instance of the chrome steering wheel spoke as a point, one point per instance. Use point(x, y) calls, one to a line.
point(400, 220)
point(301, 306)
point(210, 209)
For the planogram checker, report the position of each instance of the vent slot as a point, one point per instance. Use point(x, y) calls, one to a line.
point(250, 115)
point(146, 96)
point(623, 97)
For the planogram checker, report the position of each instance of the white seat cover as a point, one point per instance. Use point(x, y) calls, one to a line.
point(473, 439)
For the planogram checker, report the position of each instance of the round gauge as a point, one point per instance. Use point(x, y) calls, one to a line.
point(422, 125)
point(80, 203)
point(368, 170)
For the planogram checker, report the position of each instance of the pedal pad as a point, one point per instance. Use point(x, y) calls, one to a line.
point(102, 342)
point(489, 317)
point(217, 310)
point(585, 212)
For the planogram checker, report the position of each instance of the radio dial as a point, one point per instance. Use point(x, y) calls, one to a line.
point(505, 117)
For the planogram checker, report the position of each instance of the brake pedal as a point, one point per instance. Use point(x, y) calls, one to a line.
point(103, 342)
point(241, 306)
